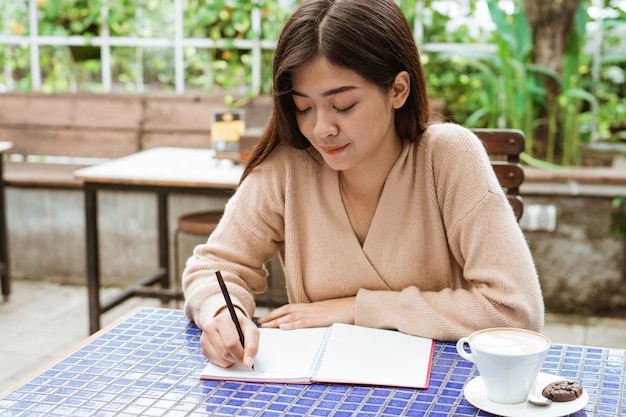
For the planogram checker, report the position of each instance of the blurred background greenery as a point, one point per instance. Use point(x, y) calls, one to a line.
point(483, 58)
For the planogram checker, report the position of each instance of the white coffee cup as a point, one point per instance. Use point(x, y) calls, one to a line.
point(508, 360)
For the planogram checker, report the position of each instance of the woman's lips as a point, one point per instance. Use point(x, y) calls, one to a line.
point(333, 150)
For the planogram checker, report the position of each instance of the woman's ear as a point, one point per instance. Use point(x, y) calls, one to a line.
point(401, 89)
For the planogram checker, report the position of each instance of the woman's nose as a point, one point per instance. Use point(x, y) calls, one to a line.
point(325, 125)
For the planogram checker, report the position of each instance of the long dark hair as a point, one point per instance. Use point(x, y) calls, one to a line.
point(372, 38)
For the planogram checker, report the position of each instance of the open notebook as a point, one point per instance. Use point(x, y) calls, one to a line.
point(340, 353)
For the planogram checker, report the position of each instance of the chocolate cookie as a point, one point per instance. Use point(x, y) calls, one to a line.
point(562, 391)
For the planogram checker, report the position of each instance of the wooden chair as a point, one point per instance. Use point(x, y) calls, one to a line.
point(504, 147)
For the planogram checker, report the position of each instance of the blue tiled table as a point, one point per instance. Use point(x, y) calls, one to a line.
point(148, 364)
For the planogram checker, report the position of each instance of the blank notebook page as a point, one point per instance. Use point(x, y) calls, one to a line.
point(397, 359)
point(284, 356)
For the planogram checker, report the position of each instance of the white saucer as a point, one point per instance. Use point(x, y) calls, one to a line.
point(475, 393)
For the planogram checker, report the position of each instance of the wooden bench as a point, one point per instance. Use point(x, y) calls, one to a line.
point(87, 128)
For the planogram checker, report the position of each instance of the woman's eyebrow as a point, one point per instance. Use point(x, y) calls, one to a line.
point(329, 92)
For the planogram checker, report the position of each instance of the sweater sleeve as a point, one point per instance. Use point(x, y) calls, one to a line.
point(498, 284)
point(249, 234)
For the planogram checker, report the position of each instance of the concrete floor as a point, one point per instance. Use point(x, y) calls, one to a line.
point(41, 321)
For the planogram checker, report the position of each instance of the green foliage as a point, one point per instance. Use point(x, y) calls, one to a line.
point(70, 17)
point(449, 76)
point(503, 87)
point(573, 93)
point(618, 217)
point(222, 68)
point(229, 67)
point(513, 95)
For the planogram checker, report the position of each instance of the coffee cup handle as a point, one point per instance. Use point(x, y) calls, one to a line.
point(460, 348)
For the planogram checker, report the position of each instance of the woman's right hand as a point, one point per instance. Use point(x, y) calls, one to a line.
point(220, 340)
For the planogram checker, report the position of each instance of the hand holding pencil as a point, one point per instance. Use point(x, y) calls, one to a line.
point(230, 337)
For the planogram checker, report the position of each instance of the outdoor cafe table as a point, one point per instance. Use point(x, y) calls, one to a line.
point(161, 171)
point(148, 363)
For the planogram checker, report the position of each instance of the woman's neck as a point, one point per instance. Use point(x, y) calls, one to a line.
point(369, 179)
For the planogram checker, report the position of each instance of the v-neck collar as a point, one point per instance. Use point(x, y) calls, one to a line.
point(383, 201)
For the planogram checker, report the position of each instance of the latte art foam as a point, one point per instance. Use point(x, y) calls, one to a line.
point(507, 342)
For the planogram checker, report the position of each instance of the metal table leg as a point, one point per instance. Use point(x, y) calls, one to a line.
point(93, 258)
point(163, 233)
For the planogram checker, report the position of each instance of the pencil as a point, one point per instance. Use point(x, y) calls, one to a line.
point(231, 308)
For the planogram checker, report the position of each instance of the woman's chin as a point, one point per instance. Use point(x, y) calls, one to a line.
point(337, 166)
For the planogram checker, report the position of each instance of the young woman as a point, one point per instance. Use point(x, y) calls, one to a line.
point(380, 220)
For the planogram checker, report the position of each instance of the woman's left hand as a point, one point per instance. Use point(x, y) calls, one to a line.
point(318, 314)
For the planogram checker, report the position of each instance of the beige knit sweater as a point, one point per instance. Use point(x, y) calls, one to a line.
point(444, 255)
